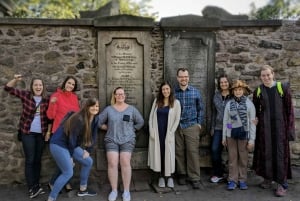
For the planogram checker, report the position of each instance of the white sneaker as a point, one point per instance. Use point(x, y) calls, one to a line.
point(215, 179)
point(113, 196)
point(126, 196)
point(170, 183)
point(161, 182)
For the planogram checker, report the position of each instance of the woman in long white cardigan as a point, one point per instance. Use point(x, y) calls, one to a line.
point(163, 122)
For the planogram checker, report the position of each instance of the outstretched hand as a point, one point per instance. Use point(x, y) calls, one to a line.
point(53, 100)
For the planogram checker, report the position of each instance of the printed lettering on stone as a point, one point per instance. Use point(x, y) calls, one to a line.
point(192, 54)
point(124, 59)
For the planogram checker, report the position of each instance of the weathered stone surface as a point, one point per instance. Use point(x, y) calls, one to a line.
point(11, 32)
point(292, 46)
point(7, 61)
point(271, 55)
point(270, 45)
point(294, 62)
point(222, 57)
point(53, 49)
point(26, 31)
point(240, 58)
point(52, 56)
point(191, 50)
point(65, 32)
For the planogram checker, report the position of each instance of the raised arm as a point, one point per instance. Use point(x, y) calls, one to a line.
point(12, 83)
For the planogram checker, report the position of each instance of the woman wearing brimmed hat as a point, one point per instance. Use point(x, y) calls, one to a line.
point(239, 134)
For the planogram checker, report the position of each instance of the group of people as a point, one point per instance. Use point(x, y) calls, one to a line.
point(264, 126)
point(71, 132)
point(175, 123)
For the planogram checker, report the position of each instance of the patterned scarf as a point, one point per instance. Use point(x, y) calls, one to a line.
point(240, 106)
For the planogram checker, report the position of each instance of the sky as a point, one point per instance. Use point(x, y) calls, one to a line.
point(168, 8)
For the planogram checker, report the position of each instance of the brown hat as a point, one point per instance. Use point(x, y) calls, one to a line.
point(240, 83)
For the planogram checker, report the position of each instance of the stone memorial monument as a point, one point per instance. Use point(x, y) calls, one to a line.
point(193, 50)
point(123, 61)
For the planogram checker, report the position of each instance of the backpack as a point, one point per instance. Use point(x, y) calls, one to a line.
point(279, 89)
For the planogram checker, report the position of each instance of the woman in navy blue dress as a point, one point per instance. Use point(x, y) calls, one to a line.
point(163, 122)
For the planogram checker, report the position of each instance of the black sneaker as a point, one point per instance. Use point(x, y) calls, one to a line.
point(87, 192)
point(182, 179)
point(42, 191)
point(195, 184)
point(35, 191)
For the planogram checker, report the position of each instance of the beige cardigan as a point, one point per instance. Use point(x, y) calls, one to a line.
point(154, 161)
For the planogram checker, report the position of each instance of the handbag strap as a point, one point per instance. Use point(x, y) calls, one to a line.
point(36, 107)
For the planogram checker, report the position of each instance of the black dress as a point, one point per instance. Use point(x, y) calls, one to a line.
point(162, 122)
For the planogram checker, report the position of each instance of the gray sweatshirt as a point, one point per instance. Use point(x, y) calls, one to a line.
point(238, 123)
point(121, 126)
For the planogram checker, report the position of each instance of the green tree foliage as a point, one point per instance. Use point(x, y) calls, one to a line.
point(69, 9)
point(138, 9)
point(277, 9)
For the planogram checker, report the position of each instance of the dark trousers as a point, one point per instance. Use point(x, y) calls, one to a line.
point(216, 153)
point(33, 145)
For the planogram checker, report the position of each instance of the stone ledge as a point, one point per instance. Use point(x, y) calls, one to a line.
point(38, 21)
point(189, 22)
point(251, 23)
point(124, 21)
point(195, 22)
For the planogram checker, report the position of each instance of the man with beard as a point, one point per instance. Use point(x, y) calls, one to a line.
point(187, 137)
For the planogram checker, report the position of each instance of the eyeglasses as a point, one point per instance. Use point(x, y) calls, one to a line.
point(181, 77)
point(119, 94)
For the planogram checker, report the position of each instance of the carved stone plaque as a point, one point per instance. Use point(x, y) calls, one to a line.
point(123, 60)
point(194, 51)
point(192, 54)
point(125, 69)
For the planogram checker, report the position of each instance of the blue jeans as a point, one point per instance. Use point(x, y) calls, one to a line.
point(33, 145)
point(216, 153)
point(55, 176)
point(86, 165)
point(63, 161)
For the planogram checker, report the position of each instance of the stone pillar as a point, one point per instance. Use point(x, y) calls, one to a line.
point(195, 50)
point(123, 58)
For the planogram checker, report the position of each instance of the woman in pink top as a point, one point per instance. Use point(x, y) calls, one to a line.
point(61, 102)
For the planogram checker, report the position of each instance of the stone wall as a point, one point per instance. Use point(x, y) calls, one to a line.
point(53, 49)
point(49, 52)
point(241, 51)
